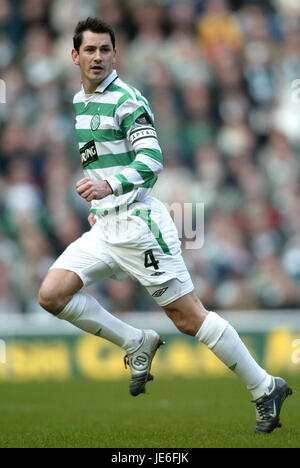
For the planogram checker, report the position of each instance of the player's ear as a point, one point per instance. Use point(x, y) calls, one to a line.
point(114, 61)
point(75, 56)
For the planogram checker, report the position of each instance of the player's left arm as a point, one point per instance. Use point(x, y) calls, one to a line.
point(148, 163)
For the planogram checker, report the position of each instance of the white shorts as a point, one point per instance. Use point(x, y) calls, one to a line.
point(140, 242)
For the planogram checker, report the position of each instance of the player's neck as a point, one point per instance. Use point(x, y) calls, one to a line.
point(90, 88)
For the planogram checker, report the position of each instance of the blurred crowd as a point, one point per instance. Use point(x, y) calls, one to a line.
point(223, 78)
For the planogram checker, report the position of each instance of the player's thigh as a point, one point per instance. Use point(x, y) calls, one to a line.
point(88, 258)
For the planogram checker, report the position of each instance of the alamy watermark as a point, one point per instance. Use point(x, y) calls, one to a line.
point(183, 220)
point(2, 352)
point(2, 92)
point(189, 221)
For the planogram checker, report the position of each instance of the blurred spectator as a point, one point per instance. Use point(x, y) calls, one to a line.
point(218, 30)
point(222, 80)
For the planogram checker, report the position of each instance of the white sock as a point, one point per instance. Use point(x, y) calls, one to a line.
point(226, 344)
point(86, 313)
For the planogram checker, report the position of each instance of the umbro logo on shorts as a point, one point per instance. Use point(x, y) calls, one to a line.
point(159, 292)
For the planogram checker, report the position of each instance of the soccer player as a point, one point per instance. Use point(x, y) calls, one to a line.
point(133, 234)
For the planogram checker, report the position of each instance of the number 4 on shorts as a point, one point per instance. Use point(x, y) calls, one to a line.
point(150, 260)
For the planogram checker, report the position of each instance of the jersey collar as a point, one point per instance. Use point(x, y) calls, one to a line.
point(102, 87)
point(105, 83)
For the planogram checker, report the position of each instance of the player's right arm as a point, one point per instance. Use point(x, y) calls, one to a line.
point(92, 189)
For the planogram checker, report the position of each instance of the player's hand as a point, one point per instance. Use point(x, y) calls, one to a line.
point(92, 219)
point(90, 189)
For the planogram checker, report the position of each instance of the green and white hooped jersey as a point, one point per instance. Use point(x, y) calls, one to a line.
point(117, 141)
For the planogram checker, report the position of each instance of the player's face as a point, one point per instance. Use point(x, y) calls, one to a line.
point(96, 59)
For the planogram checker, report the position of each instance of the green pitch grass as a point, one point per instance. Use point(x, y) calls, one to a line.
point(175, 413)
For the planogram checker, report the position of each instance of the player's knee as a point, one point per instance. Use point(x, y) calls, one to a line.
point(185, 326)
point(182, 321)
point(187, 315)
point(57, 289)
point(49, 301)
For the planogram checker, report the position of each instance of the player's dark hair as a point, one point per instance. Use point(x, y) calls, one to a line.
point(95, 25)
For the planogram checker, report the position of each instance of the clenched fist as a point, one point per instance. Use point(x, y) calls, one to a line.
point(91, 189)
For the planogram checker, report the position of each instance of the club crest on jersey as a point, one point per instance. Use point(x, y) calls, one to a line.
point(88, 153)
point(95, 122)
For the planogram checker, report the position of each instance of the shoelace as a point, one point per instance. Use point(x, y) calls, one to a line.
point(262, 410)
